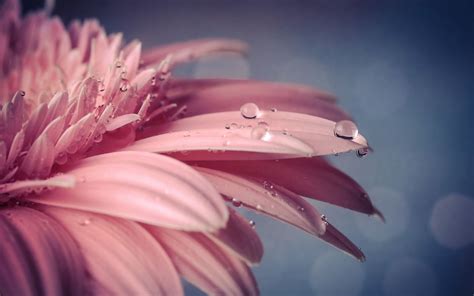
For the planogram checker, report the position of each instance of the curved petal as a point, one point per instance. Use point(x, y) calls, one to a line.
point(335, 238)
point(205, 264)
point(269, 132)
point(189, 50)
point(39, 256)
point(240, 238)
point(267, 198)
point(310, 177)
point(144, 187)
point(218, 95)
point(122, 258)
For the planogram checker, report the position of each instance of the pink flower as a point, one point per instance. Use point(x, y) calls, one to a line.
point(118, 178)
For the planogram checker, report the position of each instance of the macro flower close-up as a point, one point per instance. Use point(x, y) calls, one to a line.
point(122, 174)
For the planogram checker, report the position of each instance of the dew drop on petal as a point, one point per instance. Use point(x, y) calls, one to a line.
point(98, 138)
point(249, 110)
point(362, 152)
point(346, 129)
point(259, 131)
point(252, 224)
point(236, 203)
point(85, 222)
point(227, 126)
point(61, 158)
point(273, 109)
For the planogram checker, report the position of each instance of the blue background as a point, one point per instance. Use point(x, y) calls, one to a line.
point(404, 70)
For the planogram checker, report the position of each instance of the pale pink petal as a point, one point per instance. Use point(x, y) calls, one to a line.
point(269, 132)
point(240, 238)
point(15, 148)
point(205, 264)
point(39, 257)
point(336, 238)
point(122, 120)
point(219, 95)
point(12, 117)
point(190, 50)
point(39, 159)
point(28, 186)
point(36, 123)
point(133, 59)
point(314, 178)
point(144, 187)
point(267, 198)
point(122, 258)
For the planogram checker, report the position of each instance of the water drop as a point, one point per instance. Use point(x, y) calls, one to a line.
point(362, 152)
point(325, 220)
point(236, 203)
point(346, 129)
point(259, 207)
point(98, 138)
point(252, 224)
point(22, 93)
point(249, 110)
point(234, 125)
point(260, 131)
point(273, 109)
point(227, 126)
point(85, 222)
point(124, 87)
point(61, 158)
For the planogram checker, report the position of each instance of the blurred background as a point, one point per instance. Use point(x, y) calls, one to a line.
point(404, 70)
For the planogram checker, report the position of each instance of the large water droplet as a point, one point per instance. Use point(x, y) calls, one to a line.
point(249, 110)
point(362, 152)
point(259, 132)
point(346, 129)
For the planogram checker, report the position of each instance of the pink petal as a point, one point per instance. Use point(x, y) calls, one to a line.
point(16, 147)
point(39, 159)
point(190, 50)
point(144, 187)
point(310, 177)
point(205, 264)
point(38, 255)
point(288, 133)
point(27, 186)
point(239, 237)
point(336, 238)
point(122, 258)
point(267, 198)
point(219, 95)
point(122, 120)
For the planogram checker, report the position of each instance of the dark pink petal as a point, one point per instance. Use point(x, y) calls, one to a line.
point(267, 198)
point(310, 177)
point(205, 264)
point(39, 256)
point(144, 187)
point(190, 50)
point(218, 95)
point(240, 238)
point(336, 238)
point(122, 258)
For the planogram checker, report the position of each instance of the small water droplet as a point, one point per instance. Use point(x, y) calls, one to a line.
point(259, 207)
point(301, 209)
point(325, 220)
point(227, 126)
point(252, 224)
point(285, 132)
point(22, 93)
point(85, 222)
point(249, 110)
point(234, 125)
point(124, 87)
point(346, 129)
point(362, 152)
point(61, 158)
point(273, 109)
point(98, 138)
point(236, 203)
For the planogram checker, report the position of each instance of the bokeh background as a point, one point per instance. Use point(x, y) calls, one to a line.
point(405, 70)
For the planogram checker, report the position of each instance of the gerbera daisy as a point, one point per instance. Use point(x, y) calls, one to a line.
point(116, 177)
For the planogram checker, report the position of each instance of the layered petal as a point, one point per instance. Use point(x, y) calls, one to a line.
point(267, 198)
point(144, 187)
point(206, 264)
point(203, 96)
point(122, 258)
point(335, 238)
point(310, 177)
point(285, 133)
point(39, 256)
point(240, 238)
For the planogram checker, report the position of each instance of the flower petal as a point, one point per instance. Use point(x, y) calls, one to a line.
point(205, 264)
point(267, 198)
point(122, 258)
point(334, 237)
point(293, 134)
point(39, 257)
point(144, 187)
point(190, 50)
point(240, 238)
point(310, 177)
point(218, 95)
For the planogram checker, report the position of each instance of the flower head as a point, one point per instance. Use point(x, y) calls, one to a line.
point(117, 177)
